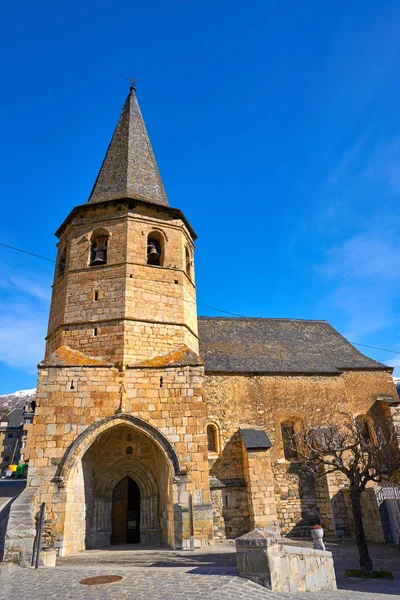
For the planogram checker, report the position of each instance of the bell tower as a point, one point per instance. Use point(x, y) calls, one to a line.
point(124, 287)
point(120, 390)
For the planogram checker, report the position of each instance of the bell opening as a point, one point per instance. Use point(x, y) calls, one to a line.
point(98, 251)
point(153, 252)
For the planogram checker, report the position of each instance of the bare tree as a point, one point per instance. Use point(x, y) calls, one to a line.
point(354, 446)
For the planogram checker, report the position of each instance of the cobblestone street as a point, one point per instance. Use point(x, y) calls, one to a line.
point(202, 575)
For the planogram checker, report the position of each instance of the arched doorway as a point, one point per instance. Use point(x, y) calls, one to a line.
point(107, 452)
point(125, 514)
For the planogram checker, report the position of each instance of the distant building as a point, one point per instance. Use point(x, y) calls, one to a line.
point(15, 436)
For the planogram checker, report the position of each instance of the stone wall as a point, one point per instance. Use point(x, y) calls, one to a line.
point(231, 515)
point(175, 408)
point(265, 401)
point(373, 520)
point(21, 528)
point(280, 567)
point(296, 500)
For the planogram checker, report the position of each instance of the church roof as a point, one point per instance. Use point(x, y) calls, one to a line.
point(129, 169)
point(251, 345)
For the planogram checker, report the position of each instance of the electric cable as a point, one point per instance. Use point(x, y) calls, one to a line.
point(227, 312)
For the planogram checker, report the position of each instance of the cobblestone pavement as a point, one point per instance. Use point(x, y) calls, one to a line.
point(208, 574)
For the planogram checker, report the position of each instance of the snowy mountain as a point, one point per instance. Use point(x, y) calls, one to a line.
point(17, 399)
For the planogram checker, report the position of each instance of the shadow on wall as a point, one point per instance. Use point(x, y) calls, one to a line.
point(339, 510)
point(297, 506)
point(178, 524)
point(229, 492)
point(9, 490)
point(4, 514)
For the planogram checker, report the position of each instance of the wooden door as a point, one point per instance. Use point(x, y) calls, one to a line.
point(126, 512)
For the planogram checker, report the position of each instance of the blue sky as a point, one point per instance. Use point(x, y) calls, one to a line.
point(276, 129)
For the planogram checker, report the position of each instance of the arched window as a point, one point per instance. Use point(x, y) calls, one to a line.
point(155, 249)
point(129, 450)
point(188, 261)
point(62, 262)
point(98, 248)
point(212, 439)
point(288, 440)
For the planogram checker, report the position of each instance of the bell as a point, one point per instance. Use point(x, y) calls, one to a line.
point(99, 257)
point(153, 252)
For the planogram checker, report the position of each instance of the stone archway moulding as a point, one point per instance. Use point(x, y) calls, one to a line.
point(85, 439)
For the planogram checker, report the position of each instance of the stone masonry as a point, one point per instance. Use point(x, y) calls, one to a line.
point(134, 386)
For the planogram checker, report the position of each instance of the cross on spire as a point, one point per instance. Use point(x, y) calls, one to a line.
point(133, 81)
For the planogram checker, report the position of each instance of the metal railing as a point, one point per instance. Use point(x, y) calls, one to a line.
point(38, 538)
point(387, 492)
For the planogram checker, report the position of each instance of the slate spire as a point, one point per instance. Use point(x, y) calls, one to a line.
point(129, 169)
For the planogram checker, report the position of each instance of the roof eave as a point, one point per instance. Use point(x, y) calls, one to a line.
point(250, 373)
point(136, 202)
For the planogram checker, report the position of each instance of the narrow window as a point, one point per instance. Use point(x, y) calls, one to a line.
point(129, 450)
point(288, 439)
point(96, 296)
point(226, 500)
point(71, 386)
point(155, 249)
point(98, 249)
point(95, 332)
point(212, 438)
point(188, 262)
point(62, 262)
point(363, 428)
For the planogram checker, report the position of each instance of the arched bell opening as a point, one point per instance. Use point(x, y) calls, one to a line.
point(155, 249)
point(188, 262)
point(98, 248)
point(61, 261)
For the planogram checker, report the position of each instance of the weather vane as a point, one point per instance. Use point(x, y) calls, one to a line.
point(133, 81)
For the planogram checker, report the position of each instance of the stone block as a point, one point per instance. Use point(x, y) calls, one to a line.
point(282, 568)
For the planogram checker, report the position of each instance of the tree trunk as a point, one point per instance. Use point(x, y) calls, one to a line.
point(365, 559)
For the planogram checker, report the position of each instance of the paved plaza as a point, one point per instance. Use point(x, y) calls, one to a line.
point(206, 574)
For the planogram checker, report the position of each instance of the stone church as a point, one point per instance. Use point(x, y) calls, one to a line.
point(154, 425)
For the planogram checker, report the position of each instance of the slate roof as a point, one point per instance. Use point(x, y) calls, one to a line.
point(255, 439)
point(129, 169)
point(16, 417)
point(251, 345)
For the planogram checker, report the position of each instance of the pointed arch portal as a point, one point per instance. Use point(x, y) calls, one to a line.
point(118, 481)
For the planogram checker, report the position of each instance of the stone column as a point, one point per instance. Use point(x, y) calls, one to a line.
point(260, 486)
